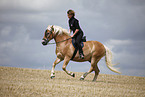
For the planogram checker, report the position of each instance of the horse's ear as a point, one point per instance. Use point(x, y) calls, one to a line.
point(52, 28)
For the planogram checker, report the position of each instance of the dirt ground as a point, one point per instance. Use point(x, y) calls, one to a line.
point(20, 82)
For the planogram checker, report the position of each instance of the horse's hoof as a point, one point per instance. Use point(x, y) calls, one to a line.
point(81, 78)
point(52, 77)
point(73, 75)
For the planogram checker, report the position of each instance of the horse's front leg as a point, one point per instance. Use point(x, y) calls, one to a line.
point(66, 61)
point(53, 67)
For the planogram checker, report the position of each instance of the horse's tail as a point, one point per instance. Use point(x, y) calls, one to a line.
point(108, 60)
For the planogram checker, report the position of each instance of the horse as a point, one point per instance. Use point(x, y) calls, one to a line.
point(93, 52)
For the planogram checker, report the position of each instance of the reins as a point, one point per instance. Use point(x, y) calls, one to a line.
point(59, 41)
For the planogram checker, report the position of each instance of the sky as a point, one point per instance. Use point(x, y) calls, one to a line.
point(118, 24)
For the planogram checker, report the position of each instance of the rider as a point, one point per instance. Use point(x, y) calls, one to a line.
point(77, 31)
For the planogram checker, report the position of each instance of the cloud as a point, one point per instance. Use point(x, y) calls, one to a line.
point(22, 50)
point(5, 31)
point(129, 54)
point(35, 6)
point(115, 19)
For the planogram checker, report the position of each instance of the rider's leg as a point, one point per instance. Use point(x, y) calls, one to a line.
point(78, 39)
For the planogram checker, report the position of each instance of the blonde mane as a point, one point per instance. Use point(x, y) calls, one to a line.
point(58, 30)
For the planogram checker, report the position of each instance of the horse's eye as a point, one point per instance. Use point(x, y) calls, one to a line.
point(46, 34)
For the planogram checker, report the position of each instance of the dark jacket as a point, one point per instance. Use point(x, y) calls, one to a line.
point(74, 24)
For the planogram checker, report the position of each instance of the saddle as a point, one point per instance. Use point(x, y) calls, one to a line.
point(76, 49)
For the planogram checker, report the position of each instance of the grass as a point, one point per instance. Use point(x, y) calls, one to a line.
point(20, 82)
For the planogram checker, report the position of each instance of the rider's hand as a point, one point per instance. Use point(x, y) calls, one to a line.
point(72, 36)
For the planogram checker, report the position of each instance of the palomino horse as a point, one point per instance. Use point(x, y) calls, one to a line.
point(93, 51)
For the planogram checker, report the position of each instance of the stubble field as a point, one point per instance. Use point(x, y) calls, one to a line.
point(20, 82)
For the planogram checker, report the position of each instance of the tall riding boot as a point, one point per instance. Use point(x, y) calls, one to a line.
point(81, 53)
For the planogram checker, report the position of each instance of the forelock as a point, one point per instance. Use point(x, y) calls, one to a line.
point(49, 27)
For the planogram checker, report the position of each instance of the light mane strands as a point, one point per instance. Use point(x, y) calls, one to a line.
point(58, 30)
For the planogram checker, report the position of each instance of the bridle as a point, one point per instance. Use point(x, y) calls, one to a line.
point(47, 35)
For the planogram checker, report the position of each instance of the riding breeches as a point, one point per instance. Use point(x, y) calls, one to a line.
point(78, 39)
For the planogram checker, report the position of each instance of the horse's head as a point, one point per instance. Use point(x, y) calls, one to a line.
point(48, 35)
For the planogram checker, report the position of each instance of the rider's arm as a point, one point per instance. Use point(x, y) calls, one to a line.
point(75, 32)
point(76, 24)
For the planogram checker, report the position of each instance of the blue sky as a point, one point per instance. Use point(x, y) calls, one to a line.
point(119, 24)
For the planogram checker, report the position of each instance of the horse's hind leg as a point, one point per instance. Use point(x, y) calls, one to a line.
point(93, 68)
point(96, 69)
point(86, 73)
point(53, 67)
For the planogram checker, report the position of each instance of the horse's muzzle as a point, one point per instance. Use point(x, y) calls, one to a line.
point(44, 41)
